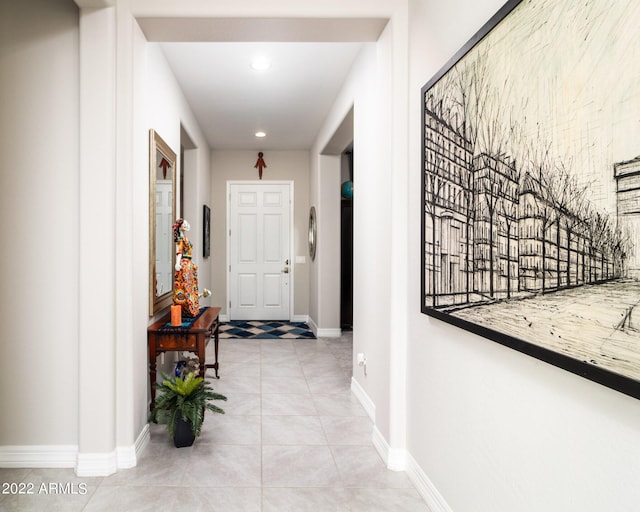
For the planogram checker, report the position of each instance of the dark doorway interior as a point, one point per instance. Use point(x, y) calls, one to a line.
point(346, 242)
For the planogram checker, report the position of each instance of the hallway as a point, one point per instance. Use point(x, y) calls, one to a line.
point(294, 438)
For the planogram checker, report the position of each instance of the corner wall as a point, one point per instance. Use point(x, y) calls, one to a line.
point(75, 138)
point(378, 172)
point(39, 185)
point(490, 429)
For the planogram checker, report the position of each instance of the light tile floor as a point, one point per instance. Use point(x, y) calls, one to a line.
point(293, 439)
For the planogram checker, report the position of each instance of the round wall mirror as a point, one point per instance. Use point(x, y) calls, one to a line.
point(312, 233)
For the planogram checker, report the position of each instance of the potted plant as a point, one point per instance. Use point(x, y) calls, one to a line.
point(182, 403)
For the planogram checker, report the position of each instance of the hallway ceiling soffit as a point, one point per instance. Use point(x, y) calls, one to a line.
point(311, 59)
point(95, 4)
point(291, 30)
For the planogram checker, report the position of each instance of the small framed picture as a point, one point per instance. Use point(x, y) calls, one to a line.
point(206, 232)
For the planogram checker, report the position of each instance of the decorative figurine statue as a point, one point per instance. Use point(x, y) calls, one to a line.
point(260, 164)
point(185, 288)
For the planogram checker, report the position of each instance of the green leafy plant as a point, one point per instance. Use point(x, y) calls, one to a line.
point(185, 398)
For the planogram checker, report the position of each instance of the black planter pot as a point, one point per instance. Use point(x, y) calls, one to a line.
point(184, 435)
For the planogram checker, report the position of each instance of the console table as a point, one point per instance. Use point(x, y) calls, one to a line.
point(192, 336)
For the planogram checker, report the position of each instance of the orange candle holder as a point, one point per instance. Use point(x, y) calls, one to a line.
point(176, 315)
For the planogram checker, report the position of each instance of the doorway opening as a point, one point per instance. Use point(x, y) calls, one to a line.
point(340, 148)
point(346, 240)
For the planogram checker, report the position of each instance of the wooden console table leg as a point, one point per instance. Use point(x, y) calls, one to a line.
point(201, 347)
point(152, 372)
point(215, 349)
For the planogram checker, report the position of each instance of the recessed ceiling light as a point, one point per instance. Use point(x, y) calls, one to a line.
point(261, 134)
point(260, 64)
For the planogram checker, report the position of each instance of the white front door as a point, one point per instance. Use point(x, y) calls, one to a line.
point(259, 251)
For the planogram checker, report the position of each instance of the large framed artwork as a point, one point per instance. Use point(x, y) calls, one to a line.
point(531, 186)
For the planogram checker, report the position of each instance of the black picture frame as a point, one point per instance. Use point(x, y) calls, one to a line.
point(206, 231)
point(530, 221)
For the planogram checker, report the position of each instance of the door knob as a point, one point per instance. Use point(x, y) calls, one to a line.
point(285, 270)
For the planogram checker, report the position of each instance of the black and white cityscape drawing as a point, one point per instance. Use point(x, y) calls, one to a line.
point(531, 182)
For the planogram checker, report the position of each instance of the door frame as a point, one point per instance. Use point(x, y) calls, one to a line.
point(257, 184)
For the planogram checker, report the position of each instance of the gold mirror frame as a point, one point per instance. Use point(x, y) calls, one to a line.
point(162, 214)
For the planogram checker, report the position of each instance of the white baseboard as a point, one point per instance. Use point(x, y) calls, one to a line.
point(123, 457)
point(143, 440)
point(294, 318)
point(331, 332)
point(400, 459)
point(96, 464)
point(425, 487)
point(127, 456)
point(67, 456)
point(381, 445)
point(313, 326)
point(363, 398)
point(394, 458)
point(54, 456)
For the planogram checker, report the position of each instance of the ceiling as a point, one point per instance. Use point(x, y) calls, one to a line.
point(288, 101)
point(309, 61)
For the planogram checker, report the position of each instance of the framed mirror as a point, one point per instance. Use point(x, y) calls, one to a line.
point(312, 233)
point(162, 214)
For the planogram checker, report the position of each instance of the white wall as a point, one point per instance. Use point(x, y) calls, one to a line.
point(239, 165)
point(368, 91)
point(371, 234)
point(492, 429)
point(113, 361)
point(325, 315)
point(39, 142)
point(135, 421)
point(167, 110)
point(197, 193)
